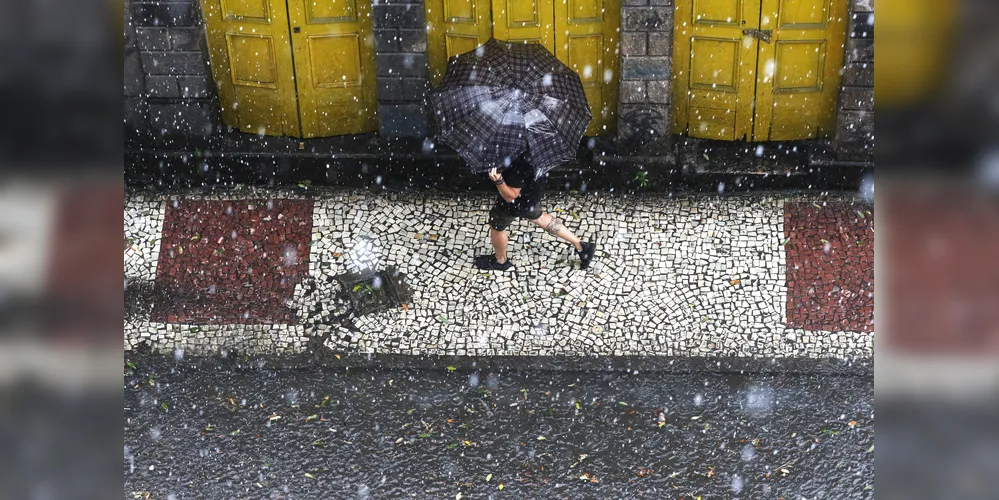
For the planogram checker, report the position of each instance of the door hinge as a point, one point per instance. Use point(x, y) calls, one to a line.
point(759, 34)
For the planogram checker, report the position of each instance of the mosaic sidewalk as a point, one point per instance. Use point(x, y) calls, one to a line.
point(262, 272)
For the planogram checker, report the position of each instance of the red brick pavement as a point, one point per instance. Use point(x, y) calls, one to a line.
point(942, 271)
point(830, 266)
point(232, 261)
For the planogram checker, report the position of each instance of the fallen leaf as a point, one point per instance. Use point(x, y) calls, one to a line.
point(164, 406)
point(852, 423)
point(622, 403)
point(337, 255)
point(311, 418)
point(274, 417)
point(489, 477)
point(501, 486)
point(711, 471)
point(542, 438)
point(451, 368)
point(735, 282)
point(310, 476)
point(405, 307)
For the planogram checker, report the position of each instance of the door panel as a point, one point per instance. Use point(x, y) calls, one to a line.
point(252, 65)
point(796, 96)
point(530, 21)
point(731, 85)
point(335, 66)
point(456, 27)
point(587, 41)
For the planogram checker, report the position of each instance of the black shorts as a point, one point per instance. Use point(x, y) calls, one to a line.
point(502, 214)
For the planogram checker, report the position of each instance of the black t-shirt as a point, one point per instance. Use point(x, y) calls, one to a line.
point(521, 175)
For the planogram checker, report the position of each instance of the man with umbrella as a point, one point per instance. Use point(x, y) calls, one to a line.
point(513, 111)
point(520, 197)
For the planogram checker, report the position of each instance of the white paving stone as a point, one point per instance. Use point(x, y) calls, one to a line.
point(676, 276)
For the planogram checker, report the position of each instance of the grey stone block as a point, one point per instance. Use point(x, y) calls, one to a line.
point(862, 25)
point(633, 91)
point(645, 68)
point(174, 63)
point(645, 18)
point(634, 3)
point(164, 14)
point(398, 90)
point(855, 135)
point(182, 118)
point(659, 91)
point(130, 38)
point(196, 87)
point(136, 113)
point(402, 64)
point(665, 3)
point(633, 44)
point(860, 50)
point(399, 16)
point(134, 78)
point(413, 40)
point(661, 43)
point(402, 120)
point(162, 86)
point(389, 89)
point(415, 89)
point(858, 74)
point(862, 5)
point(386, 40)
point(185, 38)
point(643, 129)
point(858, 98)
point(153, 38)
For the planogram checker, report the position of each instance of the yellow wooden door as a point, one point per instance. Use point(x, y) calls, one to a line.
point(334, 66)
point(304, 68)
point(757, 69)
point(455, 27)
point(250, 51)
point(714, 68)
point(587, 41)
point(799, 69)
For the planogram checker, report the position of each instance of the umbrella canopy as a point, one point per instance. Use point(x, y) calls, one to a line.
point(503, 99)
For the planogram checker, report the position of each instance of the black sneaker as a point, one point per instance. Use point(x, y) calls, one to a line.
point(488, 263)
point(586, 255)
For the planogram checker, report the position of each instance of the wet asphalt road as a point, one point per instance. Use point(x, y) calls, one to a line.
point(245, 430)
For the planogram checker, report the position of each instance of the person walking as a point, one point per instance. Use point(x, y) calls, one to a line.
point(520, 198)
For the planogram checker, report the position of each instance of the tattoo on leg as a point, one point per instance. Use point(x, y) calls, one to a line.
point(554, 227)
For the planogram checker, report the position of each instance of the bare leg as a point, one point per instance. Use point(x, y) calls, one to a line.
point(563, 233)
point(499, 240)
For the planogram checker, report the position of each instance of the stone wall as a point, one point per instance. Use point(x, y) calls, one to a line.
point(855, 119)
point(168, 84)
point(646, 72)
point(401, 57)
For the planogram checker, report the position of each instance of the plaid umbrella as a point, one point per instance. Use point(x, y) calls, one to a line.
point(502, 99)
